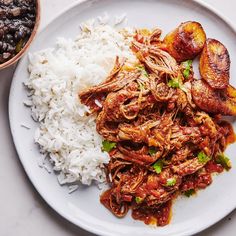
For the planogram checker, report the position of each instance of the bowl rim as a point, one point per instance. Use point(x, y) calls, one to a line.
point(32, 36)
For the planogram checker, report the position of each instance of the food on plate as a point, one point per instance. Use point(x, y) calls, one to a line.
point(162, 128)
point(17, 20)
point(214, 64)
point(65, 132)
point(186, 41)
point(124, 107)
point(214, 101)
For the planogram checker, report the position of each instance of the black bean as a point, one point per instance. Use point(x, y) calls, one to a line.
point(19, 35)
point(2, 13)
point(17, 20)
point(9, 37)
point(6, 2)
point(31, 16)
point(1, 33)
point(3, 47)
point(10, 49)
point(28, 23)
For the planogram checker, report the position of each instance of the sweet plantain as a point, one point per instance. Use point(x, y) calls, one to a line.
point(185, 42)
point(215, 64)
point(214, 101)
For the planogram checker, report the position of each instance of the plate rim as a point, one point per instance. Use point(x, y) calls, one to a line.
point(68, 217)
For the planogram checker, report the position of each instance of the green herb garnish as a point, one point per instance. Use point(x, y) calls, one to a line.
point(158, 166)
point(174, 83)
point(142, 69)
point(107, 146)
point(189, 192)
point(187, 65)
point(224, 161)
point(171, 182)
point(138, 200)
point(152, 151)
point(203, 158)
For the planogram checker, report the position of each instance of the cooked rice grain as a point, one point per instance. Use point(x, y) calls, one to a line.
point(57, 75)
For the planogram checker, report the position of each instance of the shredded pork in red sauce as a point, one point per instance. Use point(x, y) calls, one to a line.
point(164, 145)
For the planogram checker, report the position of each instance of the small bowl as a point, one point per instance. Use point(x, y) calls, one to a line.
point(14, 59)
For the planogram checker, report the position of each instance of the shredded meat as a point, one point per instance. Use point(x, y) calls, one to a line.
point(165, 143)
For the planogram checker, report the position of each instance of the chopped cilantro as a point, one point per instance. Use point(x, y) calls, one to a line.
point(174, 83)
point(152, 151)
point(187, 65)
point(186, 73)
point(158, 166)
point(138, 200)
point(142, 69)
point(224, 161)
point(203, 158)
point(107, 146)
point(171, 182)
point(189, 192)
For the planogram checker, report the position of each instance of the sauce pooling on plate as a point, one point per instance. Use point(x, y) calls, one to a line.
point(17, 20)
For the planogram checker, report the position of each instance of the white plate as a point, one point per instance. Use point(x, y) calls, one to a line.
point(82, 207)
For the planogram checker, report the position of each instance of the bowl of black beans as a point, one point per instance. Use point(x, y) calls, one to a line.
point(19, 21)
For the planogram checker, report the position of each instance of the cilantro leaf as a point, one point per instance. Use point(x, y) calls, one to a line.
point(142, 69)
point(174, 83)
point(187, 65)
point(138, 200)
point(171, 182)
point(224, 161)
point(107, 146)
point(189, 192)
point(152, 151)
point(203, 158)
point(158, 166)
point(186, 73)
point(177, 83)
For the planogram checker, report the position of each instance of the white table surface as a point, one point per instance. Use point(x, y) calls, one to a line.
point(22, 211)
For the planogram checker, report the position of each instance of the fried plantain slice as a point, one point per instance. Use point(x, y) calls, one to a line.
point(185, 42)
point(214, 101)
point(215, 64)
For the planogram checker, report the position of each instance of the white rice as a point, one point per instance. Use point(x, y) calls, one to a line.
point(57, 75)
